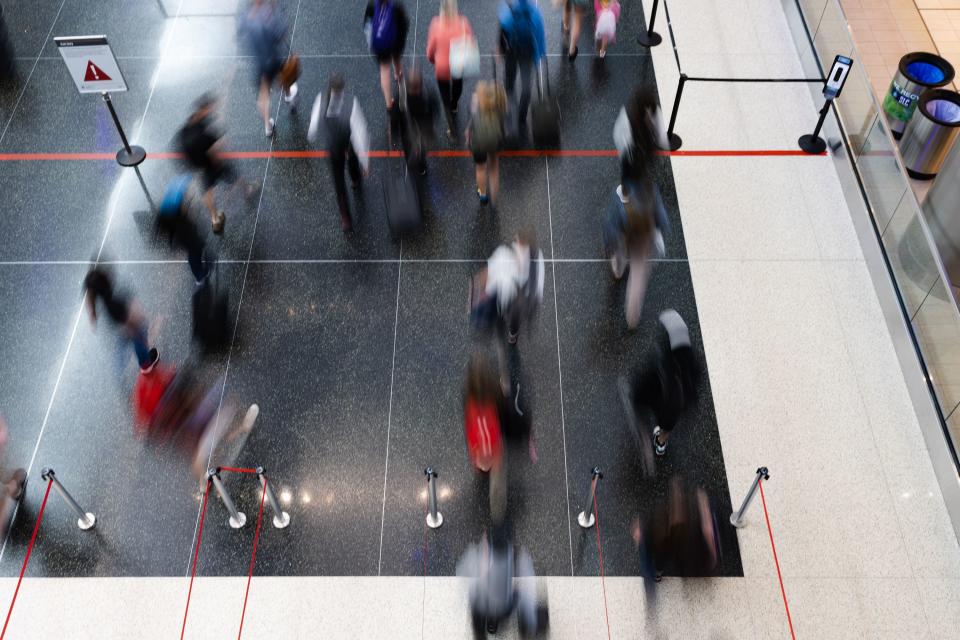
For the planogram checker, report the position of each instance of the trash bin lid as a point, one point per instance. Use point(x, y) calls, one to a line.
point(926, 69)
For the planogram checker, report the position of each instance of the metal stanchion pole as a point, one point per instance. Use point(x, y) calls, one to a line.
point(674, 139)
point(280, 517)
point(85, 520)
point(434, 518)
point(736, 519)
point(586, 519)
point(237, 518)
point(649, 37)
point(129, 156)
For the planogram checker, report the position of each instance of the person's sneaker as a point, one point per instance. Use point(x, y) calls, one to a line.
point(573, 56)
point(484, 198)
point(658, 448)
point(512, 337)
point(268, 128)
point(154, 358)
point(218, 224)
point(291, 97)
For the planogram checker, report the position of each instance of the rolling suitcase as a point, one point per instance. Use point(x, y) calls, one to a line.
point(402, 203)
point(211, 310)
point(545, 113)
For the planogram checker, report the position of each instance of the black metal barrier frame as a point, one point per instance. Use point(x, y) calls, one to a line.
point(676, 141)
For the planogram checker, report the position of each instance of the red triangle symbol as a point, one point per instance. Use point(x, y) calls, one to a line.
point(94, 73)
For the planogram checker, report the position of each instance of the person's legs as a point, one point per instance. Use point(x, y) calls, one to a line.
point(386, 85)
point(618, 262)
point(138, 338)
point(636, 286)
point(195, 260)
point(576, 23)
point(565, 20)
point(526, 88)
point(493, 175)
point(263, 106)
point(481, 172)
point(509, 75)
point(456, 90)
point(353, 166)
point(338, 164)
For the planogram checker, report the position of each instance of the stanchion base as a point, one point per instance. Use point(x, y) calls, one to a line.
point(675, 141)
point(236, 524)
point(281, 521)
point(131, 158)
point(88, 523)
point(585, 519)
point(739, 524)
point(648, 39)
point(812, 144)
point(434, 523)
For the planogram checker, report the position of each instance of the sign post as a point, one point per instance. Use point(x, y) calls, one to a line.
point(93, 69)
point(813, 143)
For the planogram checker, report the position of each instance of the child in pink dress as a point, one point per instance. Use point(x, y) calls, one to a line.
point(607, 13)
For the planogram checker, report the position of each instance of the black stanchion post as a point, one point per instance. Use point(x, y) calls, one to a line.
point(674, 139)
point(650, 38)
point(813, 143)
point(129, 156)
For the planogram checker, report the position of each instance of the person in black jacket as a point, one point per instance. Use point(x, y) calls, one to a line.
point(418, 125)
point(386, 24)
point(7, 55)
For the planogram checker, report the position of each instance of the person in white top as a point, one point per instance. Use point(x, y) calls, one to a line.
point(348, 141)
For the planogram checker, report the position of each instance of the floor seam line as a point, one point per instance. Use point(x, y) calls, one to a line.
point(393, 367)
point(556, 317)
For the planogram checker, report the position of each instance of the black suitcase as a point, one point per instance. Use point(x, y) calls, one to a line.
point(211, 315)
point(402, 203)
point(545, 113)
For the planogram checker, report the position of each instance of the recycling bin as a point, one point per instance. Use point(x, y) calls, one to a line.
point(916, 73)
point(931, 132)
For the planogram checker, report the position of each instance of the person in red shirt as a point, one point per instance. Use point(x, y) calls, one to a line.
point(445, 28)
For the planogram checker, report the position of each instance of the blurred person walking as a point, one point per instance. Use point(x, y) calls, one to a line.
point(386, 25)
point(485, 133)
point(13, 485)
point(123, 311)
point(201, 141)
point(175, 221)
point(632, 234)
point(265, 31)
point(483, 406)
point(417, 132)
point(607, 13)
point(668, 385)
point(7, 55)
point(637, 134)
point(348, 141)
point(450, 35)
point(573, 12)
point(522, 44)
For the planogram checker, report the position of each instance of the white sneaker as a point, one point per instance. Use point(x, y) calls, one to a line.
point(268, 129)
point(291, 97)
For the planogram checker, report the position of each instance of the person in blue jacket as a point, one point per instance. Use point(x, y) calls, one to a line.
point(522, 44)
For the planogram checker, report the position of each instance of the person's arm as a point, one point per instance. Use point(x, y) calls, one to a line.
point(315, 118)
point(90, 300)
point(360, 136)
point(541, 35)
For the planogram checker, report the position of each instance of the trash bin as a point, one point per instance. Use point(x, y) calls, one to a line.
point(916, 73)
point(931, 132)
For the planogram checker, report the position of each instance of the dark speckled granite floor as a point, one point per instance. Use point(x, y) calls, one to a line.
point(354, 348)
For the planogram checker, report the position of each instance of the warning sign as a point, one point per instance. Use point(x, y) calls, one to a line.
point(91, 64)
point(95, 73)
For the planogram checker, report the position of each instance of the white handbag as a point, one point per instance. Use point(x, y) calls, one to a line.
point(464, 56)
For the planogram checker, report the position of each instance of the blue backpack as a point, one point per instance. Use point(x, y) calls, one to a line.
point(523, 43)
point(384, 28)
point(174, 195)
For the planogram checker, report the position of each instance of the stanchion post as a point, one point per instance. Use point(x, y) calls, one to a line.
point(434, 517)
point(813, 143)
point(649, 37)
point(237, 518)
point(85, 520)
point(586, 519)
point(281, 519)
point(736, 519)
point(674, 139)
point(129, 156)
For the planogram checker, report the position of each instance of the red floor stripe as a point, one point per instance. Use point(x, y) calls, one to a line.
point(23, 569)
point(603, 578)
point(445, 153)
point(253, 556)
point(196, 554)
point(238, 469)
point(776, 562)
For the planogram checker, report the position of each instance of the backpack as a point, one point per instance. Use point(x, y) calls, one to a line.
point(522, 42)
point(336, 119)
point(384, 28)
point(484, 439)
point(486, 133)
